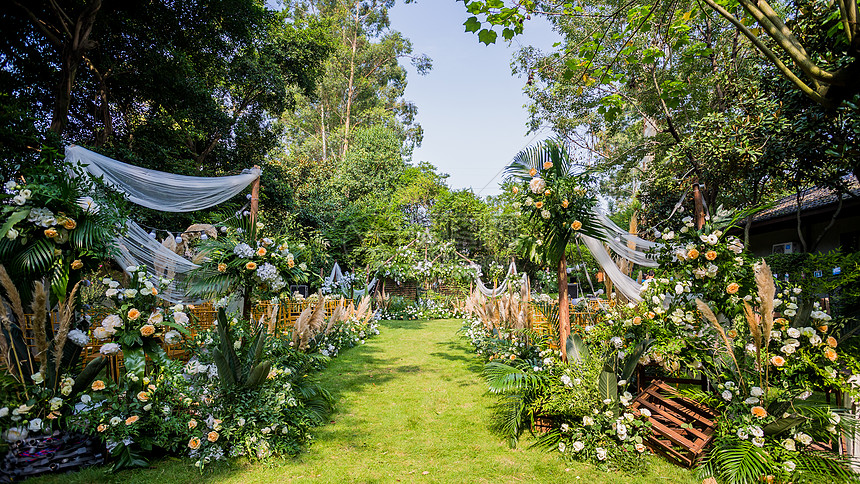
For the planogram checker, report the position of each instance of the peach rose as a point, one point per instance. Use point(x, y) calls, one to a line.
point(538, 205)
point(69, 224)
point(154, 291)
point(261, 251)
point(759, 411)
point(732, 288)
point(51, 233)
point(831, 341)
point(222, 267)
point(212, 436)
point(132, 419)
point(732, 333)
point(192, 424)
point(547, 165)
point(637, 321)
point(830, 354)
point(823, 329)
point(133, 314)
point(101, 427)
point(147, 330)
point(777, 361)
point(692, 254)
point(77, 264)
point(532, 172)
point(251, 266)
point(98, 385)
point(710, 255)
point(194, 443)
point(651, 315)
point(564, 203)
point(143, 396)
point(576, 225)
point(515, 189)
point(547, 192)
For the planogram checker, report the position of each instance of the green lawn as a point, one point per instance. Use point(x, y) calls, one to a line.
point(411, 407)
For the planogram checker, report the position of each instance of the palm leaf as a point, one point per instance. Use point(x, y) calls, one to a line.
point(502, 378)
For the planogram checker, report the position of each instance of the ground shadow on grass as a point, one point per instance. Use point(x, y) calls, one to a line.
point(457, 351)
point(403, 324)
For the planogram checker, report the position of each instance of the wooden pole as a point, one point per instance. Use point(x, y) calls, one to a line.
point(699, 204)
point(255, 197)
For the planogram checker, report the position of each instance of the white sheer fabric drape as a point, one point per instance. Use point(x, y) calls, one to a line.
point(164, 192)
point(498, 291)
point(333, 280)
point(158, 190)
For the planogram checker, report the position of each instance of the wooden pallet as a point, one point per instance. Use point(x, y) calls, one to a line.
point(681, 428)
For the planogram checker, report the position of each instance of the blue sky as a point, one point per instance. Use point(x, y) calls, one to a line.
point(470, 105)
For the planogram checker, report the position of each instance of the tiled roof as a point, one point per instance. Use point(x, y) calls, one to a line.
point(815, 197)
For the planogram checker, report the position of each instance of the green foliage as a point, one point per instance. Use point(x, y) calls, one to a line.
point(245, 369)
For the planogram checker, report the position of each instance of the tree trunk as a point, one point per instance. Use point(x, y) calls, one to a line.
point(63, 93)
point(322, 129)
point(349, 88)
point(563, 306)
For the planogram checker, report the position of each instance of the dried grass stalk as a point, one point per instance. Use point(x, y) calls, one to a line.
point(273, 319)
point(40, 313)
point(66, 312)
point(5, 355)
point(754, 324)
point(12, 294)
point(712, 318)
point(301, 325)
point(335, 318)
point(766, 292)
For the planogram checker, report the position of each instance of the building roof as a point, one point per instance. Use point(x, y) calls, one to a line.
point(811, 198)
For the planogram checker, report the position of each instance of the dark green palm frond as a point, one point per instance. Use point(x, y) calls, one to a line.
point(548, 441)
point(828, 466)
point(550, 312)
point(502, 378)
point(740, 462)
point(508, 418)
point(535, 156)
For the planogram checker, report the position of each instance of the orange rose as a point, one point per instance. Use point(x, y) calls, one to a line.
point(692, 254)
point(133, 314)
point(547, 165)
point(515, 190)
point(532, 172)
point(222, 267)
point(51, 233)
point(151, 387)
point(147, 330)
point(261, 251)
point(710, 255)
point(830, 354)
point(777, 361)
point(651, 314)
point(576, 225)
point(77, 264)
point(564, 203)
point(212, 436)
point(547, 192)
point(290, 263)
point(132, 419)
point(831, 341)
point(154, 291)
point(101, 427)
point(192, 424)
point(759, 411)
point(194, 443)
point(823, 329)
point(732, 333)
point(733, 288)
point(538, 205)
point(98, 385)
point(69, 224)
point(143, 396)
point(781, 321)
point(637, 321)
point(251, 266)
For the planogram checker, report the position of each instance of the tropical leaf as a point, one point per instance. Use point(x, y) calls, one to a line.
point(502, 378)
point(577, 350)
point(607, 385)
point(740, 462)
point(780, 425)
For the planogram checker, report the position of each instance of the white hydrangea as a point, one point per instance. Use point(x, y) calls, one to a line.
point(243, 250)
point(78, 337)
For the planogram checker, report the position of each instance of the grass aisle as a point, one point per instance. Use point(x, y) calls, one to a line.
point(411, 407)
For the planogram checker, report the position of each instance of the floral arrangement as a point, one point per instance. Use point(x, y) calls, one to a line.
point(53, 226)
point(243, 260)
point(139, 324)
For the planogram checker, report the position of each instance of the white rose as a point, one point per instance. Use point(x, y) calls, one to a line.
point(789, 445)
point(601, 453)
point(12, 234)
point(35, 424)
point(537, 185)
point(578, 446)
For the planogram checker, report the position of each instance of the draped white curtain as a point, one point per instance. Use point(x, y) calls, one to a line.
point(165, 192)
point(486, 291)
point(333, 280)
point(624, 245)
